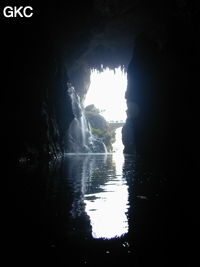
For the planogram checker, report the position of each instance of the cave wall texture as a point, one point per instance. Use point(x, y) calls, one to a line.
point(160, 76)
point(157, 41)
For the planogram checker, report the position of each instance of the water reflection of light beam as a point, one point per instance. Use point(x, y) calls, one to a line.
point(107, 208)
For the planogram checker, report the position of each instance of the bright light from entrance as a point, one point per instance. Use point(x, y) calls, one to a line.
point(107, 93)
point(107, 207)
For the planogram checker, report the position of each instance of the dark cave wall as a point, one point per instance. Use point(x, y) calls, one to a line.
point(161, 82)
point(37, 83)
point(148, 98)
point(38, 55)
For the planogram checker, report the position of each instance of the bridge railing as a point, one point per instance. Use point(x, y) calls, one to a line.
point(116, 122)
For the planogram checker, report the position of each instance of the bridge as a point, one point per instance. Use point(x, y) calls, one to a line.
point(116, 124)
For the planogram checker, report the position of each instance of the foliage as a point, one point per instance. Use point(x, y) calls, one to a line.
point(92, 109)
point(100, 127)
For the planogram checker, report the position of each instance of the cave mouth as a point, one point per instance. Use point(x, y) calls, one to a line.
point(106, 95)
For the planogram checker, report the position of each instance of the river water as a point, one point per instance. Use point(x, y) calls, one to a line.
point(95, 209)
point(102, 189)
point(93, 202)
point(100, 185)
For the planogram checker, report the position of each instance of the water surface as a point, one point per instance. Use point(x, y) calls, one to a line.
point(100, 185)
point(95, 208)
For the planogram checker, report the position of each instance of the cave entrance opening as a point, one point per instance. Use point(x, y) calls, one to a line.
point(95, 173)
point(105, 105)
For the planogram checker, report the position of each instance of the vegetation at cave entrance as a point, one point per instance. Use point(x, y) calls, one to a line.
point(99, 126)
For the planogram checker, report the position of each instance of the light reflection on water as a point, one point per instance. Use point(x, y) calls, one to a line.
point(104, 192)
point(108, 206)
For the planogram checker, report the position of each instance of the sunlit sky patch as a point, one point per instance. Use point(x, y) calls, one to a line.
point(107, 93)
